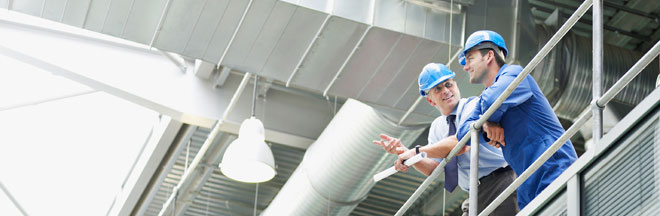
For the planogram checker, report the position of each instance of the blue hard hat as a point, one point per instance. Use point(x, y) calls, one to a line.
point(478, 37)
point(432, 75)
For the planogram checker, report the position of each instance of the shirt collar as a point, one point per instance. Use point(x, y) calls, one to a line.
point(455, 110)
point(499, 73)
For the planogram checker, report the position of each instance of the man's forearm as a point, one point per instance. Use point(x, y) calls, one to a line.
point(441, 148)
point(426, 166)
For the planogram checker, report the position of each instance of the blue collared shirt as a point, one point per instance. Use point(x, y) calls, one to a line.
point(530, 127)
point(490, 158)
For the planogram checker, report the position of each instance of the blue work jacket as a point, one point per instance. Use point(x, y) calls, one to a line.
point(490, 158)
point(530, 127)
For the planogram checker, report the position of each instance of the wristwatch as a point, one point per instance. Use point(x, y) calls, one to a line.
point(417, 149)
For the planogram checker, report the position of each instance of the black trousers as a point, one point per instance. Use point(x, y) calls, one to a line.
point(490, 187)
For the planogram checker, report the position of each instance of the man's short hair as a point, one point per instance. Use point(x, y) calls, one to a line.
point(485, 46)
point(498, 56)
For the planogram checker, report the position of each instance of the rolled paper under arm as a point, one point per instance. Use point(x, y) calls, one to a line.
point(390, 171)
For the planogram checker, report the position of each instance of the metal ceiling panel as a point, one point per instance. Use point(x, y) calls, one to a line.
point(224, 30)
point(261, 31)
point(254, 22)
point(437, 27)
point(98, 10)
point(201, 36)
point(390, 14)
point(354, 10)
point(75, 12)
point(270, 35)
point(295, 39)
point(53, 10)
point(361, 68)
point(329, 52)
point(315, 4)
point(402, 53)
point(143, 19)
point(117, 16)
point(409, 72)
point(408, 98)
point(33, 8)
point(211, 14)
point(178, 25)
point(415, 19)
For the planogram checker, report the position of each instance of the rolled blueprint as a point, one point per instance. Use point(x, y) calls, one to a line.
point(390, 171)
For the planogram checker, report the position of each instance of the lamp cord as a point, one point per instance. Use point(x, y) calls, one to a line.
point(254, 94)
point(187, 155)
point(256, 193)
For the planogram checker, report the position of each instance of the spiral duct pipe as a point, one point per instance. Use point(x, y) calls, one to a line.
point(565, 76)
point(336, 171)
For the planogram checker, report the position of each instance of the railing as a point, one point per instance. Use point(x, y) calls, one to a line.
point(597, 105)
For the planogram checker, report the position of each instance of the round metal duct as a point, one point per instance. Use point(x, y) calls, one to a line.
point(565, 75)
point(336, 172)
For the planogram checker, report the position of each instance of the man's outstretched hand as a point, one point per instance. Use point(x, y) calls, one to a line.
point(390, 144)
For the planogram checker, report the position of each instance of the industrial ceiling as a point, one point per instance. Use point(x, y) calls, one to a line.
point(312, 56)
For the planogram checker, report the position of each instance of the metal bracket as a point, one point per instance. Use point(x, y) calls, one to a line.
point(594, 103)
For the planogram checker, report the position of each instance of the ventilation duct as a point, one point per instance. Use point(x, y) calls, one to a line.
point(336, 172)
point(566, 74)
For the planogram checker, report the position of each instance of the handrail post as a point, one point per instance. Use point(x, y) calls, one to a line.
point(474, 172)
point(597, 70)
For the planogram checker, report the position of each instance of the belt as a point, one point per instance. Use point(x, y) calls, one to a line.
point(497, 171)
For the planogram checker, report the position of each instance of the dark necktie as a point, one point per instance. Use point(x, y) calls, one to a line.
point(451, 169)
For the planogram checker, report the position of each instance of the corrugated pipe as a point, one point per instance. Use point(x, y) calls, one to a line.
point(336, 172)
point(565, 76)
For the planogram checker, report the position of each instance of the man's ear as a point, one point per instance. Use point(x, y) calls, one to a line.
point(429, 100)
point(490, 56)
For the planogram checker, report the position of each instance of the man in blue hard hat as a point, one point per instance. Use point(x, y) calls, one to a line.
point(436, 84)
point(530, 125)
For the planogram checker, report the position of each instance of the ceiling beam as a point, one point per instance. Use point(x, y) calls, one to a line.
point(587, 21)
point(162, 136)
point(652, 16)
point(146, 78)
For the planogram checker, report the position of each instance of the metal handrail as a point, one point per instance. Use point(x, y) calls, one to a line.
point(477, 126)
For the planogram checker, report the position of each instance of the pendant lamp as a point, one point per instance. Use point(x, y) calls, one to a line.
point(249, 158)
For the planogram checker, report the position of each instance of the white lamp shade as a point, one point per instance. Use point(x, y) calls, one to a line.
point(248, 158)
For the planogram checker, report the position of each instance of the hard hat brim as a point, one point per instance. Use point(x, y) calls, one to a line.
point(436, 82)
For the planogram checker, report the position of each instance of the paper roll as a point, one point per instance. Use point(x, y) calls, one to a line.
point(390, 171)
